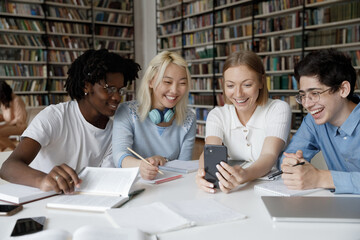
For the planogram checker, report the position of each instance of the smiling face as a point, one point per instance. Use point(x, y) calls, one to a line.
point(171, 89)
point(242, 89)
point(101, 102)
point(331, 107)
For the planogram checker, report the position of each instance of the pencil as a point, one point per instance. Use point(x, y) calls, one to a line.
point(143, 159)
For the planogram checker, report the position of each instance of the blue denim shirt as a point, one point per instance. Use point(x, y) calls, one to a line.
point(340, 147)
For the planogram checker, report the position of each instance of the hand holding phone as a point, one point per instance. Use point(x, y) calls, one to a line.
point(213, 155)
point(8, 210)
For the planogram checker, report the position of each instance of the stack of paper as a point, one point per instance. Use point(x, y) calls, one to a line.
point(173, 216)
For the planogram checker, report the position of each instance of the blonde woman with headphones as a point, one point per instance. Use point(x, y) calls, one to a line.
point(158, 125)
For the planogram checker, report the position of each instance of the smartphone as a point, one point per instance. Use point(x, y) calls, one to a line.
point(25, 226)
point(213, 155)
point(8, 210)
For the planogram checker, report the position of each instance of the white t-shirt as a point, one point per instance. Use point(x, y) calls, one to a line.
point(66, 137)
point(245, 142)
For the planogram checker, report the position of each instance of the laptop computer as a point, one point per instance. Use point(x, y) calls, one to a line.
point(313, 209)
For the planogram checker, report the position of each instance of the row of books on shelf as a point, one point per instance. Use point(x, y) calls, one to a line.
point(279, 43)
point(58, 98)
point(21, 40)
point(200, 52)
point(199, 37)
point(171, 42)
point(75, 2)
point(58, 71)
point(35, 100)
point(113, 45)
point(13, 54)
point(198, 22)
point(123, 32)
point(67, 13)
point(290, 99)
point(21, 24)
point(27, 85)
point(234, 13)
point(334, 36)
point(202, 113)
point(200, 130)
point(220, 50)
point(21, 8)
point(233, 31)
point(276, 63)
point(281, 82)
point(355, 57)
point(337, 12)
point(202, 84)
point(114, 18)
point(170, 28)
point(63, 56)
point(63, 27)
point(57, 85)
point(210, 100)
point(198, 6)
point(206, 68)
point(164, 3)
point(113, 4)
point(280, 23)
point(22, 70)
point(266, 7)
point(68, 42)
point(170, 13)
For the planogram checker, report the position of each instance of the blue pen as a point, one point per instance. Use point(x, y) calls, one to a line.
point(281, 172)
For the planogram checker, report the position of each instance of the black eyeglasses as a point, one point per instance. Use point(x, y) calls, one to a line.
point(112, 90)
point(313, 96)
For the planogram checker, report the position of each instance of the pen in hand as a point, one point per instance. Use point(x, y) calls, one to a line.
point(143, 159)
point(281, 172)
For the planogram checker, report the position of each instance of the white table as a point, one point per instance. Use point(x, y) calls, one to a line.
point(258, 224)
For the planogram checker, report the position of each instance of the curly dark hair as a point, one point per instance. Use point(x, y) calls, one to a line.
point(331, 67)
point(93, 65)
point(5, 94)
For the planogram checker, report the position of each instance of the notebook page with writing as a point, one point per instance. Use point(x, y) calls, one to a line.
point(278, 188)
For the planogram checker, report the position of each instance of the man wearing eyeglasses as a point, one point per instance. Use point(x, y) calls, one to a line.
point(332, 126)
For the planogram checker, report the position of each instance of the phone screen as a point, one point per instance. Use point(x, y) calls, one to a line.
point(9, 209)
point(28, 225)
point(213, 155)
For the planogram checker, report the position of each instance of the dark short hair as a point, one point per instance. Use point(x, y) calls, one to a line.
point(5, 94)
point(331, 67)
point(93, 65)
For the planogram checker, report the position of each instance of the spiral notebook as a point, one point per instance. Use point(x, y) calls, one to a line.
point(278, 188)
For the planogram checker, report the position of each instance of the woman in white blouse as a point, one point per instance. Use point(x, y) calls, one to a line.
point(253, 127)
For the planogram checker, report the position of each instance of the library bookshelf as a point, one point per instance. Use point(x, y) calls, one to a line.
point(39, 39)
point(281, 32)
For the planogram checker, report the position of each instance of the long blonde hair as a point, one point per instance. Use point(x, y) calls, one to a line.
point(157, 69)
point(252, 61)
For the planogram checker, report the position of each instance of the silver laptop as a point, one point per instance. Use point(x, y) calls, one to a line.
point(313, 209)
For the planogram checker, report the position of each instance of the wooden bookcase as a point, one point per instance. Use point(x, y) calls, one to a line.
point(39, 39)
point(281, 32)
